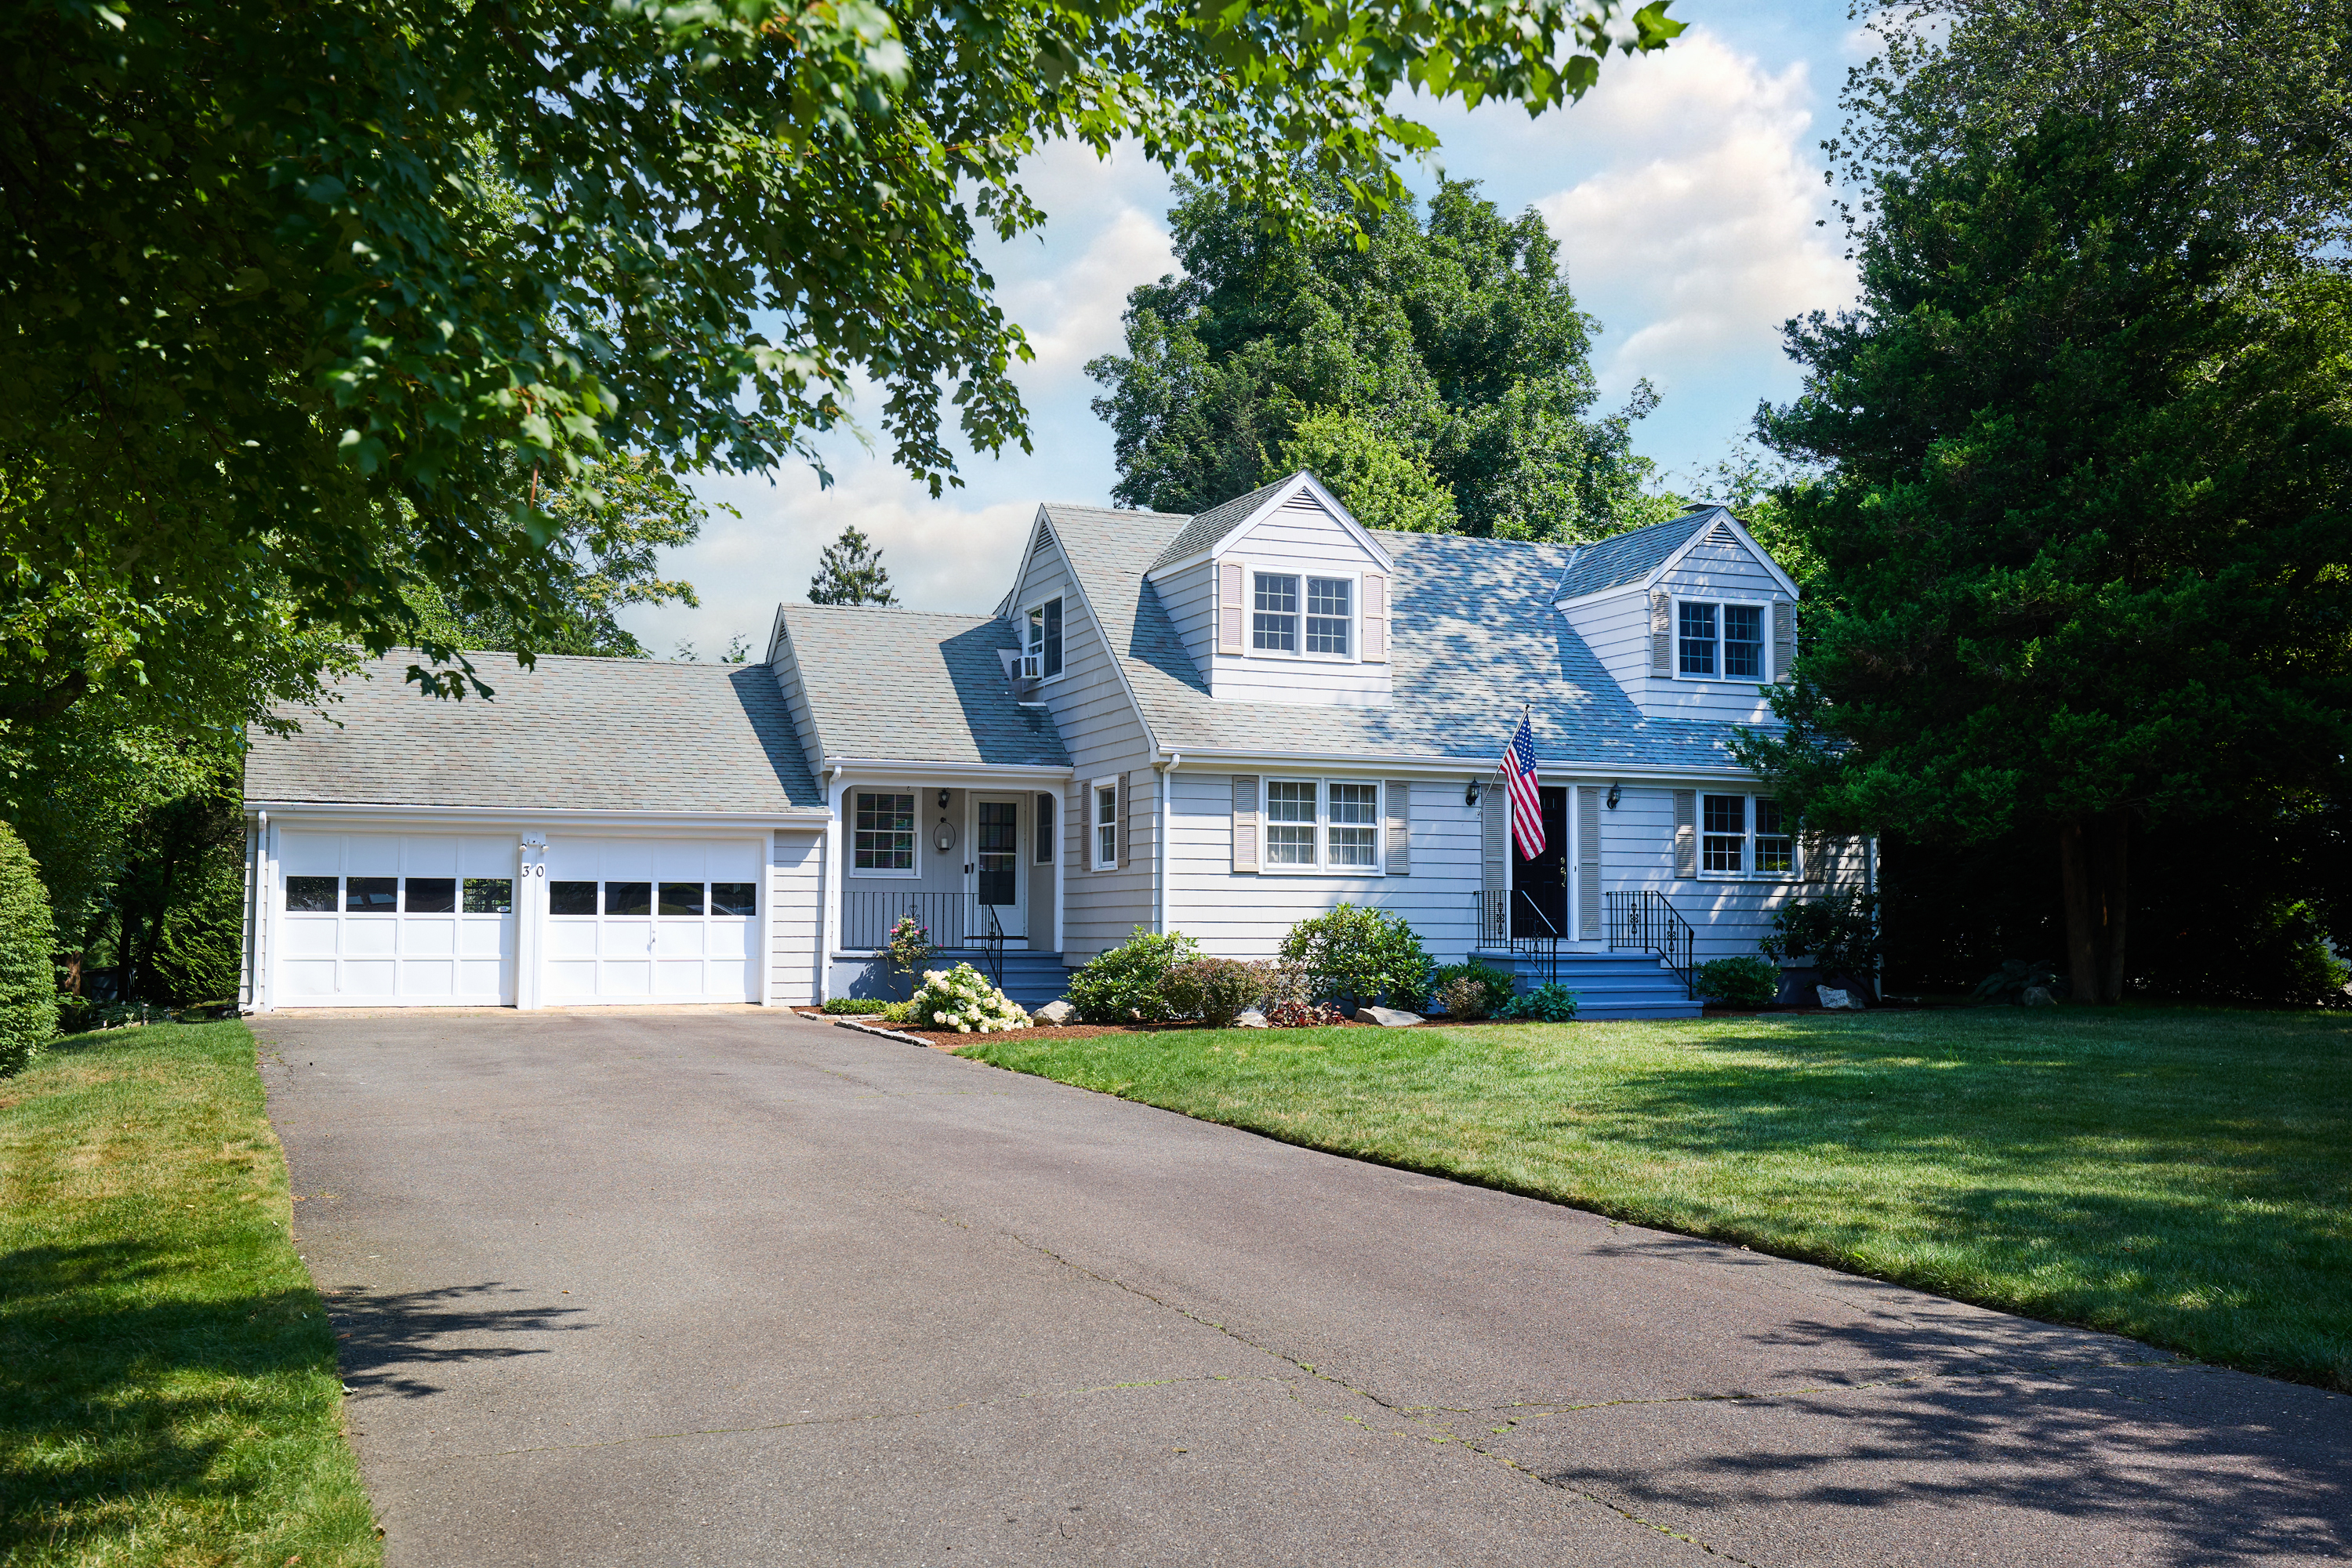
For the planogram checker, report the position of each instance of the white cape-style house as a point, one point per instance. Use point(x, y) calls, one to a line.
point(1214, 724)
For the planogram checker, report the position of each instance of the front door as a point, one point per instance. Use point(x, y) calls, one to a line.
point(1540, 886)
point(996, 868)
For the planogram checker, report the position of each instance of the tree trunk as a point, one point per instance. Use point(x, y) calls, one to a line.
point(2093, 867)
point(2081, 942)
point(2115, 886)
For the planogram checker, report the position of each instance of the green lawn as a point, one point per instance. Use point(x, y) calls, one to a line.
point(2184, 1177)
point(168, 1391)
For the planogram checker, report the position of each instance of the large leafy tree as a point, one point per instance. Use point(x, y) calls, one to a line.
point(2087, 448)
point(285, 288)
point(1437, 375)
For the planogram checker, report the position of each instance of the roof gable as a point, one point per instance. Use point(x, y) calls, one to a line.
point(1217, 529)
point(1643, 555)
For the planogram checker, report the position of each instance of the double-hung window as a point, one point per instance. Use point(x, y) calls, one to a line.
point(1720, 642)
point(1743, 835)
point(1273, 621)
point(1105, 826)
point(882, 835)
point(1327, 825)
point(1041, 650)
point(1330, 615)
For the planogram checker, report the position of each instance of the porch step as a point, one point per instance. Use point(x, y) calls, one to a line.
point(1608, 986)
point(1032, 979)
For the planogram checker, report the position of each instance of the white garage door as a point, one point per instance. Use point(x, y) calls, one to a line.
point(395, 920)
point(652, 919)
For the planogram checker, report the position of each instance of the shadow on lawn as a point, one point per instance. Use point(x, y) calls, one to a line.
point(1983, 1451)
point(121, 1380)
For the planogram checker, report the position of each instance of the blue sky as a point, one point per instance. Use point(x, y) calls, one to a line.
point(1686, 193)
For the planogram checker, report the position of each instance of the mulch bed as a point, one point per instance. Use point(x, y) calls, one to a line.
point(948, 1039)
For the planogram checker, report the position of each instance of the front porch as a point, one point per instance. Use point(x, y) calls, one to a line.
point(1637, 964)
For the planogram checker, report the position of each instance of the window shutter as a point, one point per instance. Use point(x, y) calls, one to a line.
point(1376, 618)
point(1245, 822)
point(1588, 863)
point(1494, 831)
point(1043, 850)
point(1784, 637)
point(1662, 634)
point(1229, 607)
point(1396, 799)
point(1685, 833)
point(1126, 818)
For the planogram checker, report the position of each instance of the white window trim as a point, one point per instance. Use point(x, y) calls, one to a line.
point(1765, 624)
point(849, 832)
point(1795, 873)
point(1354, 578)
point(1094, 825)
point(1062, 673)
point(1268, 866)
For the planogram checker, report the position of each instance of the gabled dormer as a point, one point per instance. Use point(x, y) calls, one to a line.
point(1690, 615)
point(1281, 596)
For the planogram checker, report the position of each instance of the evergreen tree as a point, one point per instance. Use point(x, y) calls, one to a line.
point(2087, 450)
point(1437, 378)
point(851, 573)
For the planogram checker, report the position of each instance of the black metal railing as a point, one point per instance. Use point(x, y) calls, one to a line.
point(1640, 920)
point(867, 918)
point(1511, 920)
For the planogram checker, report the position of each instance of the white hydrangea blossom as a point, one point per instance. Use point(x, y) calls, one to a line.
point(961, 999)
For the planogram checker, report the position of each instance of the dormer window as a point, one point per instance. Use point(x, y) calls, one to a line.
point(1328, 614)
point(1274, 627)
point(1722, 641)
point(1041, 651)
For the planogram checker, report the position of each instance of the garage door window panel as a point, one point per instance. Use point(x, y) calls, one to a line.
point(489, 895)
point(735, 899)
point(371, 895)
point(571, 898)
point(313, 895)
point(681, 898)
point(628, 898)
point(431, 896)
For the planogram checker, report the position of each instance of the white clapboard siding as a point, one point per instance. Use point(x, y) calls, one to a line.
point(1100, 731)
point(1190, 597)
point(1301, 539)
point(795, 916)
point(1730, 916)
point(1617, 630)
point(1246, 915)
point(787, 668)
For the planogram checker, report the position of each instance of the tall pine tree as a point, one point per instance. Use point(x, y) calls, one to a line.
point(850, 571)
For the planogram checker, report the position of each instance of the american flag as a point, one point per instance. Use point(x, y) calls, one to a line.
point(1526, 802)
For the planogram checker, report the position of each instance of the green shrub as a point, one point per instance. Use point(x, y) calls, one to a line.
point(1549, 1004)
point(77, 1015)
point(28, 981)
point(898, 1013)
point(1740, 982)
point(1839, 933)
point(1215, 990)
point(962, 999)
point(1121, 985)
point(1470, 991)
point(854, 1006)
point(1359, 955)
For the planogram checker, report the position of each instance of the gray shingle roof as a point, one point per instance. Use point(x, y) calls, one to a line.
point(1211, 525)
point(915, 687)
point(580, 734)
point(1474, 637)
point(1631, 556)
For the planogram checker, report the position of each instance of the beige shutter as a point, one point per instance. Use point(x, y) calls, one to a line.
point(1588, 863)
point(1495, 830)
point(1229, 607)
point(1245, 829)
point(1396, 800)
point(1662, 637)
point(1126, 818)
point(1685, 833)
point(1376, 618)
point(1784, 637)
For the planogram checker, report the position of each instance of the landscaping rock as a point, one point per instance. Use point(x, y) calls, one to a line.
point(1251, 1018)
point(1832, 997)
point(1387, 1017)
point(2036, 996)
point(1057, 1011)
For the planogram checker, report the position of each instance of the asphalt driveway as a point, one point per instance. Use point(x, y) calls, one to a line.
point(737, 1287)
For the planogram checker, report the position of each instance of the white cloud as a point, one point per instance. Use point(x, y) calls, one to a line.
point(1701, 232)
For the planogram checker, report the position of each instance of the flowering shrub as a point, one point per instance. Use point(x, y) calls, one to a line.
point(1291, 1001)
point(961, 999)
point(910, 946)
point(1471, 990)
